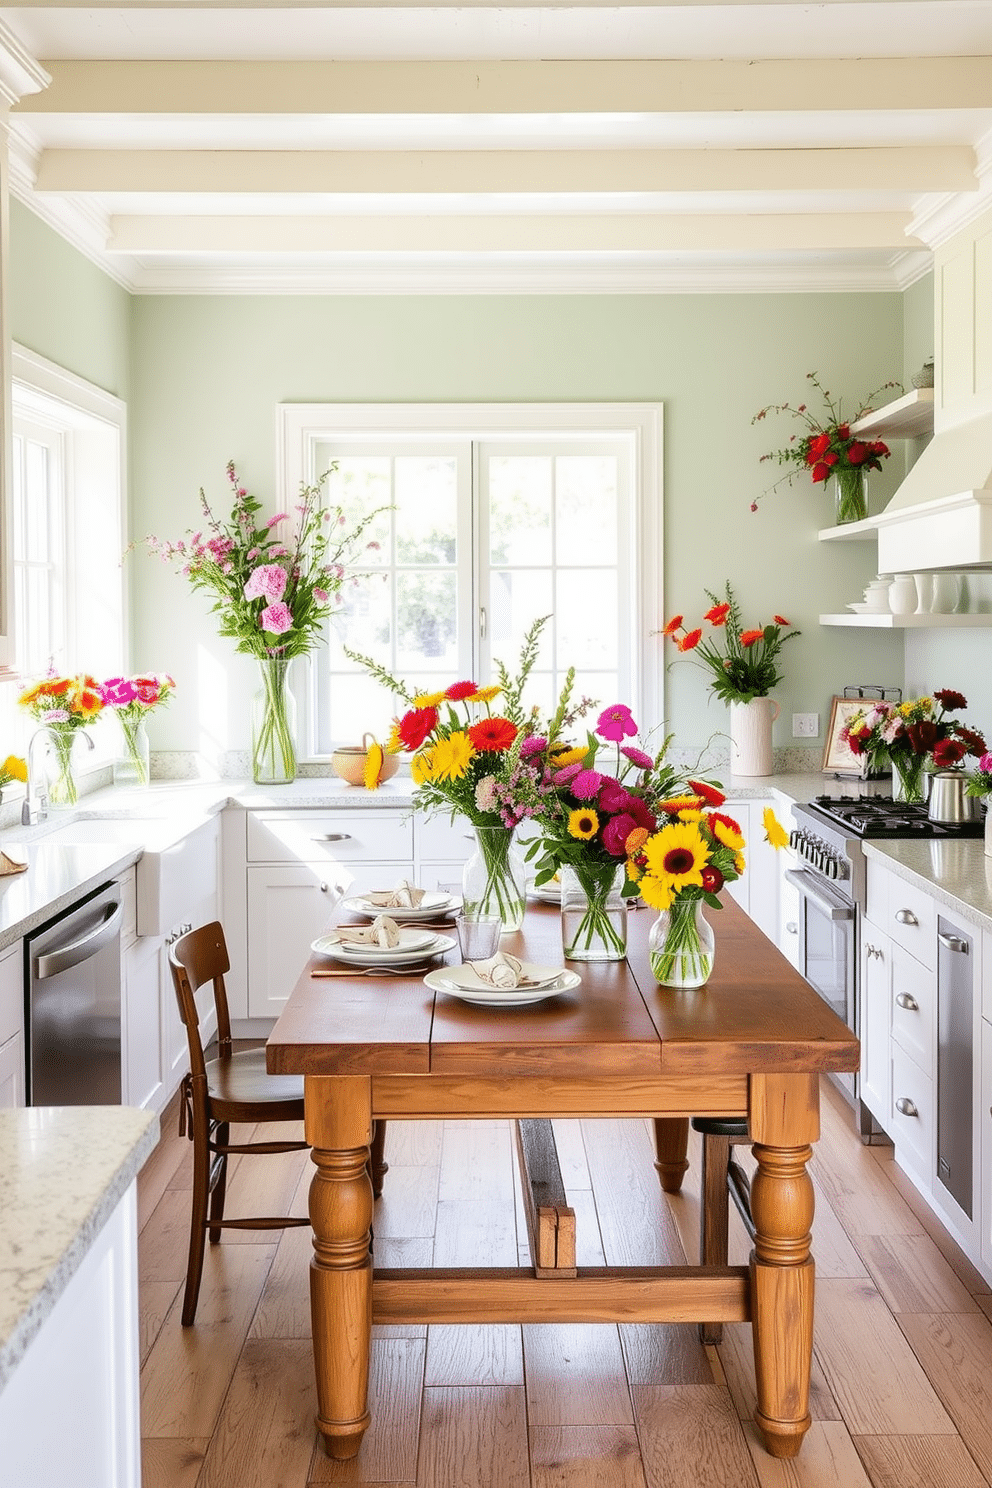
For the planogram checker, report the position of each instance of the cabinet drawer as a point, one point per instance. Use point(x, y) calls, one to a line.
point(337, 836)
point(914, 1008)
point(912, 921)
point(912, 1128)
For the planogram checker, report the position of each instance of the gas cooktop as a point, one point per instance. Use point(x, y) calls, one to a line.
point(880, 816)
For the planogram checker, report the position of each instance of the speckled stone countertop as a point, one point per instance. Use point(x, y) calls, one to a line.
point(63, 1171)
point(954, 871)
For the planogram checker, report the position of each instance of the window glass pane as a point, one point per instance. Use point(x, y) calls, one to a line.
point(587, 618)
point(360, 485)
point(586, 508)
point(364, 622)
point(426, 623)
point(516, 600)
point(36, 532)
point(426, 496)
point(519, 509)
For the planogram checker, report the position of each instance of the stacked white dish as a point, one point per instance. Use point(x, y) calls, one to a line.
point(432, 906)
point(414, 945)
point(536, 984)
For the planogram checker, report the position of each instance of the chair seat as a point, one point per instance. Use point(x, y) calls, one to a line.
point(243, 1081)
point(720, 1126)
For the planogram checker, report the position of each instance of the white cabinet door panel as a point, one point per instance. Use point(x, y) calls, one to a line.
point(289, 905)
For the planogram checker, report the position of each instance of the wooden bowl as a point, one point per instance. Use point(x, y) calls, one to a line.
point(349, 762)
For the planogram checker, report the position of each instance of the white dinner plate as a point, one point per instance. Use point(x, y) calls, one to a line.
point(483, 995)
point(415, 945)
point(431, 907)
point(548, 893)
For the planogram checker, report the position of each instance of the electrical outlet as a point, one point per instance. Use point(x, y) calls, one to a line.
point(805, 725)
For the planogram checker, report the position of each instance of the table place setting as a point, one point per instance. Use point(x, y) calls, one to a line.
point(406, 904)
point(383, 945)
point(502, 980)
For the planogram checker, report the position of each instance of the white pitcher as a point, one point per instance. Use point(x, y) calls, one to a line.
point(751, 736)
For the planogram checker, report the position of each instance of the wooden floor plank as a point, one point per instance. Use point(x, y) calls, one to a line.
point(155, 1299)
point(918, 1462)
point(691, 1438)
point(635, 1222)
point(575, 1375)
point(912, 1276)
point(476, 1354)
point(172, 1462)
point(474, 1438)
point(585, 1457)
point(284, 1306)
point(477, 1162)
point(475, 1234)
point(265, 1432)
point(665, 1354)
point(389, 1451)
point(956, 1352)
point(408, 1206)
point(571, 1153)
point(829, 1459)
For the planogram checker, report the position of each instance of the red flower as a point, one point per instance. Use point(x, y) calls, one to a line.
point(817, 447)
point(922, 736)
point(843, 431)
point(781, 620)
point(950, 700)
point(878, 448)
point(492, 734)
point(728, 821)
point(857, 453)
point(690, 641)
point(973, 741)
point(718, 614)
point(831, 457)
point(673, 625)
point(949, 752)
point(820, 471)
point(459, 690)
point(414, 727)
point(712, 879)
point(711, 796)
point(857, 739)
point(749, 637)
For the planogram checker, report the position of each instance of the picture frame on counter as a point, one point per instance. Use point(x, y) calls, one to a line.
point(838, 758)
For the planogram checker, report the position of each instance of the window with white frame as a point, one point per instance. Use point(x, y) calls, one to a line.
point(489, 517)
point(66, 524)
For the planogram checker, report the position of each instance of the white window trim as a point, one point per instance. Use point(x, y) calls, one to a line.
point(300, 427)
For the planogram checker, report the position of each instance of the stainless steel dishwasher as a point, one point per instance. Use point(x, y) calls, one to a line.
point(73, 996)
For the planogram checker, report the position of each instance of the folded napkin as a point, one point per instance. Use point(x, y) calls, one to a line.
point(405, 896)
point(9, 865)
point(501, 970)
point(382, 932)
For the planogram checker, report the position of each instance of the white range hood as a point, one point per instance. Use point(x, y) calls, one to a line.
point(941, 515)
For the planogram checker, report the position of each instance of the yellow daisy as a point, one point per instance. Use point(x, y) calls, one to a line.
point(583, 823)
point(726, 834)
point(484, 694)
point(677, 855)
point(775, 833)
point(14, 768)
point(739, 863)
point(372, 769)
point(655, 893)
point(422, 767)
point(690, 816)
point(394, 743)
point(428, 700)
point(453, 755)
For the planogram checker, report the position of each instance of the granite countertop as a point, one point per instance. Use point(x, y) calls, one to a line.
point(63, 1171)
point(954, 871)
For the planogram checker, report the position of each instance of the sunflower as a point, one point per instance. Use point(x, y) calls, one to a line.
point(583, 823)
point(775, 833)
point(372, 769)
point(677, 855)
point(422, 766)
point(452, 756)
point(559, 757)
point(654, 892)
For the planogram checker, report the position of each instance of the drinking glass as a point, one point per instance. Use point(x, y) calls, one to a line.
point(478, 935)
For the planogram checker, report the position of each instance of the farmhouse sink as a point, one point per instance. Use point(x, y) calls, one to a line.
point(179, 858)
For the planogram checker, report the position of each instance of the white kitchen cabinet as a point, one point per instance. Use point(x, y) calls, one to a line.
point(12, 1026)
point(763, 870)
point(876, 1023)
point(289, 905)
point(142, 1077)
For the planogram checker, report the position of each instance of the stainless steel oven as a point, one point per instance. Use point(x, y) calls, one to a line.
point(828, 947)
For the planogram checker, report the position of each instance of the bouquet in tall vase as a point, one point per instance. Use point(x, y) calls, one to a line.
point(132, 699)
point(63, 707)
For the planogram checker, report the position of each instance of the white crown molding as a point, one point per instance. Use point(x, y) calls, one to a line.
point(940, 217)
point(20, 74)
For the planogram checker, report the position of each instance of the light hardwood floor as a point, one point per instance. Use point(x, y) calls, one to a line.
point(902, 1371)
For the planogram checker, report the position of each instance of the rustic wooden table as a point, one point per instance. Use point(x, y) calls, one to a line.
point(752, 1043)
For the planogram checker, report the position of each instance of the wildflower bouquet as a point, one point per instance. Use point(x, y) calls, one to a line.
point(829, 449)
point(64, 706)
point(980, 782)
point(744, 663)
point(132, 699)
point(909, 736)
point(13, 768)
point(694, 851)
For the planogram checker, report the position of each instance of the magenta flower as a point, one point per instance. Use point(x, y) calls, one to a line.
point(616, 723)
point(613, 797)
point(616, 832)
point(279, 517)
point(585, 786)
point(268, 581)
point(534, 744)
point(566, 774)
point(637, 757)
point(276, 619)
point(117, 692)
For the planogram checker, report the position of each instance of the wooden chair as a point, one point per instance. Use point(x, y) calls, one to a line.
point(233, 1087)
point(721, 1179)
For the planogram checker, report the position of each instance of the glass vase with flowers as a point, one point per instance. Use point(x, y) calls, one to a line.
point(980, 784)
point(63, 707)
point(828, 450)
point(911, 737)
point(131, 699)
point(274, 581)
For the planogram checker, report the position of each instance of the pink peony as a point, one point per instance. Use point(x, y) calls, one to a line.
point(276, 619)
point(268, 581)
point(616, 832)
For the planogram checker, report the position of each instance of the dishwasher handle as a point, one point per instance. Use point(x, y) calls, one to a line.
point(53, 962)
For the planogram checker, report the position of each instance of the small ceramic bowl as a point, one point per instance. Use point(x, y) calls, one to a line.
point(349, 762)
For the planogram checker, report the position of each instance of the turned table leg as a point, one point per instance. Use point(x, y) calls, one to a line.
point(339, 1130)
point(671, 1142)
point(782, 1272)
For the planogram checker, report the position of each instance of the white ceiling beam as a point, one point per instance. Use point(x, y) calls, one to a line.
point(518, 87)
point(911, 168)
point(540, 233)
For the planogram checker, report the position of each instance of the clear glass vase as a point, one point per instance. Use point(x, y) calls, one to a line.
point(273, 725)
point(61, 781)
point(851, 493)
point(593, 912)
point(681, 945)
point(132, 765)
point(908, 779)
point(494, 880)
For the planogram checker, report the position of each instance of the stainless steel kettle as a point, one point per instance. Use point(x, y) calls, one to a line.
point(948, 802)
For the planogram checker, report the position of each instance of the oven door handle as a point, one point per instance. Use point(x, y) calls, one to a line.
point(834, 909)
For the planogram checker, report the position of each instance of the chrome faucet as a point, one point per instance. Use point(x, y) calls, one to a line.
point(31, 813)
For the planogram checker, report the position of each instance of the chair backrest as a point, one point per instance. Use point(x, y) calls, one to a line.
point(198, 957)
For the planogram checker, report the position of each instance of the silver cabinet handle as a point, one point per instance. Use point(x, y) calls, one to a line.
point(953, 942)
point(792, 927)
point(906, 917)
point(905, 1106)
point(333, 837)
point(909, 1003)
point(323, 888)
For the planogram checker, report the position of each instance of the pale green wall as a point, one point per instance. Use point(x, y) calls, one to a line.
point(208, 373)
point(66, 309)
